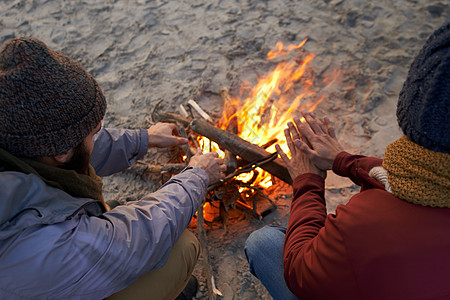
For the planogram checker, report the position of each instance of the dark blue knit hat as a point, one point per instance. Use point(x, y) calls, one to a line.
point(424, 103)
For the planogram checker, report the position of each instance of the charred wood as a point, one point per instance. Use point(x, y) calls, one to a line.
point(241, 148)
point(162, 116)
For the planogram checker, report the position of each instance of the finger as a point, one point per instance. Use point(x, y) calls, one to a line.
point(199, 152)
point(289, 142)
point(181, 141)
point(330, 129)
point(305, 131)
point(170, 141)
point(223, 168)
point(294, 132)
point(214, 154)
point(317, 123)
point(283, 155)
point(322, 125)
point(312, 122)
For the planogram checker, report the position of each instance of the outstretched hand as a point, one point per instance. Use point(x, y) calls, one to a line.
point(299, 163)
point(163, 135)
point(313, 146)
point(318, 140)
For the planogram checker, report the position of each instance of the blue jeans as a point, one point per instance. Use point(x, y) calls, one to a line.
point(264, 251)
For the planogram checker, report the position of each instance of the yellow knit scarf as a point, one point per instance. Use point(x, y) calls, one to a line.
point(418, 175)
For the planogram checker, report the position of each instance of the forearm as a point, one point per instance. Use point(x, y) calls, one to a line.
point(315, 259)
point(117, 149)
point(163, 215)
point(355, 167)
point(137, 238)
point(308, 213)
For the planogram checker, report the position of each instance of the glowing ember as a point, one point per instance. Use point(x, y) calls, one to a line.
point(271, 103)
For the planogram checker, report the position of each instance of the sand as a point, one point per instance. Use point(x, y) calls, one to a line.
point(145, 52)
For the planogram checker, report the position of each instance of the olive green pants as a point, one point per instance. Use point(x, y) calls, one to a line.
point(169, 281)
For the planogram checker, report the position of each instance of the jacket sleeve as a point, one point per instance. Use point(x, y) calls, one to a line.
point(120, 246)
point(315, 259)
point(357, 167)
point(117, 149)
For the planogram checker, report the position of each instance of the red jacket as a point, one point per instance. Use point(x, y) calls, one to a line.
point(375, 247)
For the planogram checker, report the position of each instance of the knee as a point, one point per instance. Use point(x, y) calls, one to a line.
point(255, 240)
point(189, 245)
point(267, 237)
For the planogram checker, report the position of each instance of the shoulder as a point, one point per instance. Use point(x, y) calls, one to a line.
point(22, 194)
point(368, 206)
point(19, 188)
point(379, 215)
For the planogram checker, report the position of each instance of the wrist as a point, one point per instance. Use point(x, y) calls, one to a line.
point(151, 139)
point(332, 159)
point(306, 179)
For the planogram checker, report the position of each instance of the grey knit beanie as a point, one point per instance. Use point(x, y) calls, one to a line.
point(423, 109)
point(48, 102)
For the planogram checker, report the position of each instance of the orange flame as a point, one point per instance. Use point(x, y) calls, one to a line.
point(271, 103)
point(279, 49)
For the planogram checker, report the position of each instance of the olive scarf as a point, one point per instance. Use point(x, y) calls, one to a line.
point(418, 175)
point(73, 183)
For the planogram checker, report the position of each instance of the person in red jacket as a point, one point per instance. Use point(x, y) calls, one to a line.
point(392, 240)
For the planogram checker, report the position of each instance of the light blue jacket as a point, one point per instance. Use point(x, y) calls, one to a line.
point(55, 246)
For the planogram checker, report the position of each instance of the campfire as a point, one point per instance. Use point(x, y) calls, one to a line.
point(245, 135)
point(249, 128)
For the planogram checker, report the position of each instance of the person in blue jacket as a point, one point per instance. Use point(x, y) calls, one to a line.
point(58, 239)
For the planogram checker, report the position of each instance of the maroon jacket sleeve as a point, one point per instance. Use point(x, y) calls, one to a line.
point(357, 167)
point(316, 265)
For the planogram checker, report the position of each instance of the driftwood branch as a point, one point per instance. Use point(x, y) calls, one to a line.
point(202, 113)
point(186, 148)
point(184, 112)
point(230, 161)
point(225, 94)
point(204, 245)
point(230, 141)
point(161, 116)
point(143, 168)
point(241, 148)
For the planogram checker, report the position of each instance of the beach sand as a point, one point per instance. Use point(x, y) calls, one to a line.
point(146, 52)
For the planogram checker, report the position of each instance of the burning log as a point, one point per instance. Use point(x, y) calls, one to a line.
point(269, 143)
point(231, 142)
point(230, 161)
point(241, 148)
